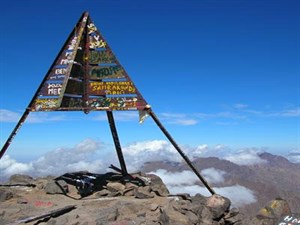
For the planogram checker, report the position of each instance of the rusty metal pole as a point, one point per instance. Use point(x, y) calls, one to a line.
point(117, 142)
point(163, 129)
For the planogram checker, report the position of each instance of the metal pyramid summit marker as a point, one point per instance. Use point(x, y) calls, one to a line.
point(86, 76)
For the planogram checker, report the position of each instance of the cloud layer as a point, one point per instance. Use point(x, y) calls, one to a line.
point(92, 155)
point(83, 156)
point(96, 157)
point(186, 182)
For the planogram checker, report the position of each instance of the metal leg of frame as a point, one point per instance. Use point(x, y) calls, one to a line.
point(14, 133)
point(163, 129)
point(116, 141)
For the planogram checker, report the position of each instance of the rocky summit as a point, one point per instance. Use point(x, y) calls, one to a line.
point(83, 198)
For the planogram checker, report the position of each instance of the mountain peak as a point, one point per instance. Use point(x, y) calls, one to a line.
point(274, 159)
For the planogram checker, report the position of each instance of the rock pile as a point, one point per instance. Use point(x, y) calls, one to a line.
point(52, 201)
point(276, 212)
point(116, 203)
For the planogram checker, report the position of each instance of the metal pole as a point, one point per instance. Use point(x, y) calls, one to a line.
point(163, 129)
point(14, 132)
point(117, 142)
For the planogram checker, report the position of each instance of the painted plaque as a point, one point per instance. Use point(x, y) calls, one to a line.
point(112, 88)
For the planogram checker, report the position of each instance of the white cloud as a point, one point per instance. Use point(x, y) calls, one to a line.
point(86, 146)
point(184, 122)
point(87, 155)
point(290, 113)
point(225, 114)
point(240, 106)
point(189, 189)
point(147, 146)
point(33, 117)
point(157, 150)
point(204, 150)
point(245, 157)
point(41, 117)
point(10, 167)
point(185, 177)
point(92, 166)
point(81, 157)
point(238, 195)
point(203, 147)
point(179, 119)
point(186, 182)
point(9, 116)
point(219, 147)
point(294, 156)
point(92, 156)
point(213, 176)
point(96, 157)
point(199, 151)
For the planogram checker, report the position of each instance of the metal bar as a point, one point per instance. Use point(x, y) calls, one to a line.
point(14, 132)
point(53, 213)
point(29, 108)
point(85, 68)
point(117, 142)
point(163, 129)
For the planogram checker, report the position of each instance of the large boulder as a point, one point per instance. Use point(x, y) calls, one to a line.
point(157, 185)
point(218, 205)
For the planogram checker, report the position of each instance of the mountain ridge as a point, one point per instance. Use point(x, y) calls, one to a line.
point(274, 177)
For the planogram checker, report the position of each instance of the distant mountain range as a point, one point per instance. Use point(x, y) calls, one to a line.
point(275, 177)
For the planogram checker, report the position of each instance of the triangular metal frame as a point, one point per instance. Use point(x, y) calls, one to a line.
point(86, 76)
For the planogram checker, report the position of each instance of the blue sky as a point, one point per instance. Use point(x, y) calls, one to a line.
point(217, 73)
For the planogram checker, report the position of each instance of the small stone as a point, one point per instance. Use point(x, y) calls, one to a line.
point(128, 192)
point(57, 187)
point(142, 214)
point(154, 207)
point(185, 196)
point(22, 201)
point(143, 193)
point(107, 215)
point(233, 212)
point(115, 187)
point(193, 218)
point(114, 194)
point(103, 192)
point(5, 195)
point(164, 218)
point(129, 185)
